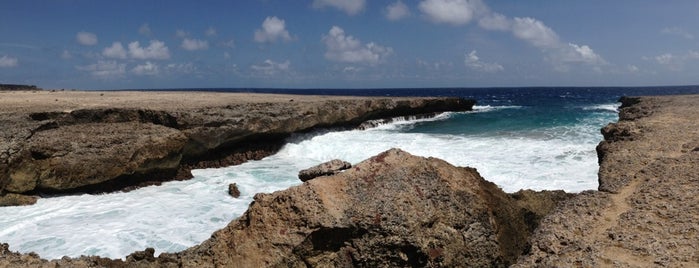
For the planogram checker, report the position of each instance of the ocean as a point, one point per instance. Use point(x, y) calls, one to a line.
point(518, 138)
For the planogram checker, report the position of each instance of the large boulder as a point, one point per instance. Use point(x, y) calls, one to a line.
point(392, 210)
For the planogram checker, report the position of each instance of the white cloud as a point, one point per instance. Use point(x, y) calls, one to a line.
point(270, 67)
point(455, 12)
point(583, 54)
point(145, 30)
point(105, 69)
point(351, 7)
point(185, 68)
point(194, 44)
point(675, 61)
point(677, 31)
point(7, 62)
point(495, 21)
point(226, 55)
point(535, 32)
point(272, 29)
point(665, 59)
point(156, 50)
point(397, 11)
point(211, 31)
point(148, 68)
point(86, 38)
point(345, 48)
point(115, 51)
point(472, 61)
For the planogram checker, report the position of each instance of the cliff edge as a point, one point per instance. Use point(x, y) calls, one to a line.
point(68, 142)
point(645, 212)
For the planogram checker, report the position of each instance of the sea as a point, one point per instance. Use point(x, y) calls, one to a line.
point(518, 138)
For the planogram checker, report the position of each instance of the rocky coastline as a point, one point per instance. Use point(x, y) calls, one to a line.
point(400, 210)
point(92, 142)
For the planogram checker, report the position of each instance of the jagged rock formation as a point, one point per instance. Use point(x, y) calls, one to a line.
point(392, 210)
point(646, 211)
point(66, 148)
point(324, 169)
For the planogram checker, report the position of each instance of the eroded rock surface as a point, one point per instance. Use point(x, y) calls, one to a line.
point(392, 210)
point(100, 142)
point(646, 212)
point(324, 169)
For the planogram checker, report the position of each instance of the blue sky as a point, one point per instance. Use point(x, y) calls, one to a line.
point(91, 44)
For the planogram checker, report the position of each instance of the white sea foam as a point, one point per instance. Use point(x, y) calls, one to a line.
point(611, 107)
point(488, 108)
point(180, 214)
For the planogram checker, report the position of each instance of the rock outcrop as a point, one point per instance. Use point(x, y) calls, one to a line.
point(59, 148)
point(392, 210)
point(646, 211)
point(331, 167)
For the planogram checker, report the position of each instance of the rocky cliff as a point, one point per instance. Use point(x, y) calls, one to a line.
point(645, 212)
point(59, 148)
point(392, 210)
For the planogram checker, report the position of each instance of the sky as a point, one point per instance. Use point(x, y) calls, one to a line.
point(96, 44)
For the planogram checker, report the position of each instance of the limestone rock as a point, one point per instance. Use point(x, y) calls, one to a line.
point(646, 212)
point(328, 168)
point(58, 147)
point(392, 210)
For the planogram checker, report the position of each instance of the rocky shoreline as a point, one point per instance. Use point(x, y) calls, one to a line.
point(399, 210)
point(77, 142)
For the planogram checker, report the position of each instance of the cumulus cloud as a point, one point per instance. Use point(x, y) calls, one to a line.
point(397, 11)
point(105, 69)
point(194, 44)
point(148, 68)
point(351, 7)
point(677, 31)
point(583, 54)
point(145, 30)
point(86, 38)
point(675, 61)
point(272, 29)
point(184, 68)
point(115, 51)
point(7, 61)
point(270, 67)
point(473, 62)
point(345, 48)
point(495, 22)
point(155, 50)
point(535, 32)
point(530, 30)
point(455, 12)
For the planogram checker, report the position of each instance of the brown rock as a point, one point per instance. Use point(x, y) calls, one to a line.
point(233, 190)
point(328, 168)
point(646, 212)
point(88, 143)
point(392, 210)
